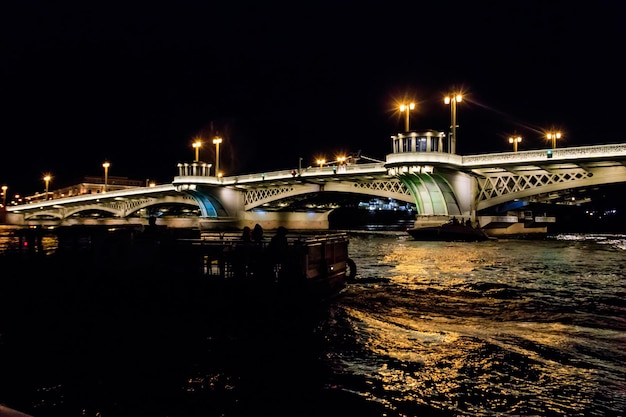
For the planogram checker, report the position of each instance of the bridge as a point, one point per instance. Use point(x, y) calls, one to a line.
point(441, 184)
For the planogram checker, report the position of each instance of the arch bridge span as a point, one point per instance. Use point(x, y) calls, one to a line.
point(439, 183)
point(384, 188)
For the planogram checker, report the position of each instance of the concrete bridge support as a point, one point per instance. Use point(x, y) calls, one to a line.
point(224, 208)
point(441, 196)
point(290, 220)
point(269, 220)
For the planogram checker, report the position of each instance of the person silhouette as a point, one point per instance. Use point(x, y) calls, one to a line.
point(277, 251)
point(257, 234)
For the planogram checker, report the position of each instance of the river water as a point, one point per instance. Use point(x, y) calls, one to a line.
point(495, 328)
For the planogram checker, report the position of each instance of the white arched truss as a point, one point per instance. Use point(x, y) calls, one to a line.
point(118, 208)
point(392, 188)
point(498, 189)
point(33, 215)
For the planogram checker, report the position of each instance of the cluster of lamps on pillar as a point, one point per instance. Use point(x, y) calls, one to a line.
point(452, 100)
point(197, 144)
point(515, 140)
point(553, 136)
point(48, 177)
point(4, 195)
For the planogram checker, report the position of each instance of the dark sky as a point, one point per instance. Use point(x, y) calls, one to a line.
point(88, 81)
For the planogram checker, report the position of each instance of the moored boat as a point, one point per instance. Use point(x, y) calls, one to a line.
point(220, 265)
point(312, 267)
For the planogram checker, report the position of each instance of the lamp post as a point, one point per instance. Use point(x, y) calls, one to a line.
point(321, 162)
point(47, 179)
point(515, 140)
point(106, 166)
point(553, 136)
point(4, 195)
point(406, 108)
point(452, 100)
point(196, 145)
point(217, 142)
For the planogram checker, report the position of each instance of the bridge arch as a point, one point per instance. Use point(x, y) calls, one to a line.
point(181, 199)
point(432, 192)
point(504, 188)
point(93, 207)
point(210, 206)
point(392, 188)
point(49, 214)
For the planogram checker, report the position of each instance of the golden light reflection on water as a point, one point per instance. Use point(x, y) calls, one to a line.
point(419, 264)
point(438, 362)
point(494, 329)
point(10, 242)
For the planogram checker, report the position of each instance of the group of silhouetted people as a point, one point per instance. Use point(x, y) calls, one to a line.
point(253, 257)
point(463, 222)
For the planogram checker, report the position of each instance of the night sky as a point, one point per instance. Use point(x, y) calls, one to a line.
point(85, 82)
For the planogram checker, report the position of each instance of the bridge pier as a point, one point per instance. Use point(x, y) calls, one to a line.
point(290, 220)
point(270, 220)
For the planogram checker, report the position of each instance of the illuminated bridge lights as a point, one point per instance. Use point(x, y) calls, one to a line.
point(424, 169)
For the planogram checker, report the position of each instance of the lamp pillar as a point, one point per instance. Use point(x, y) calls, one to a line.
point(553, 136)
point(217, 142)
point(106, 166)
point(406, 108)
point(196, 145)
point(47, 179)
point(453, 100)
point(515, 140)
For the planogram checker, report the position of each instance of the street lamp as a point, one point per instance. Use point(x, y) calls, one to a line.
point(217, 142)
point(452, 100)
point(321, 162)
point(406, 108)
point(47, 179)
point(515, 140)
point(553, 136)
point(4, 195)
point(196, 145)
point(106, 166)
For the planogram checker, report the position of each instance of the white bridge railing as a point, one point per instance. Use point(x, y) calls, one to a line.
point(553, 155)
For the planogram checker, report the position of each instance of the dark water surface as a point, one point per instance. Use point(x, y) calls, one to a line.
point(496, 328)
